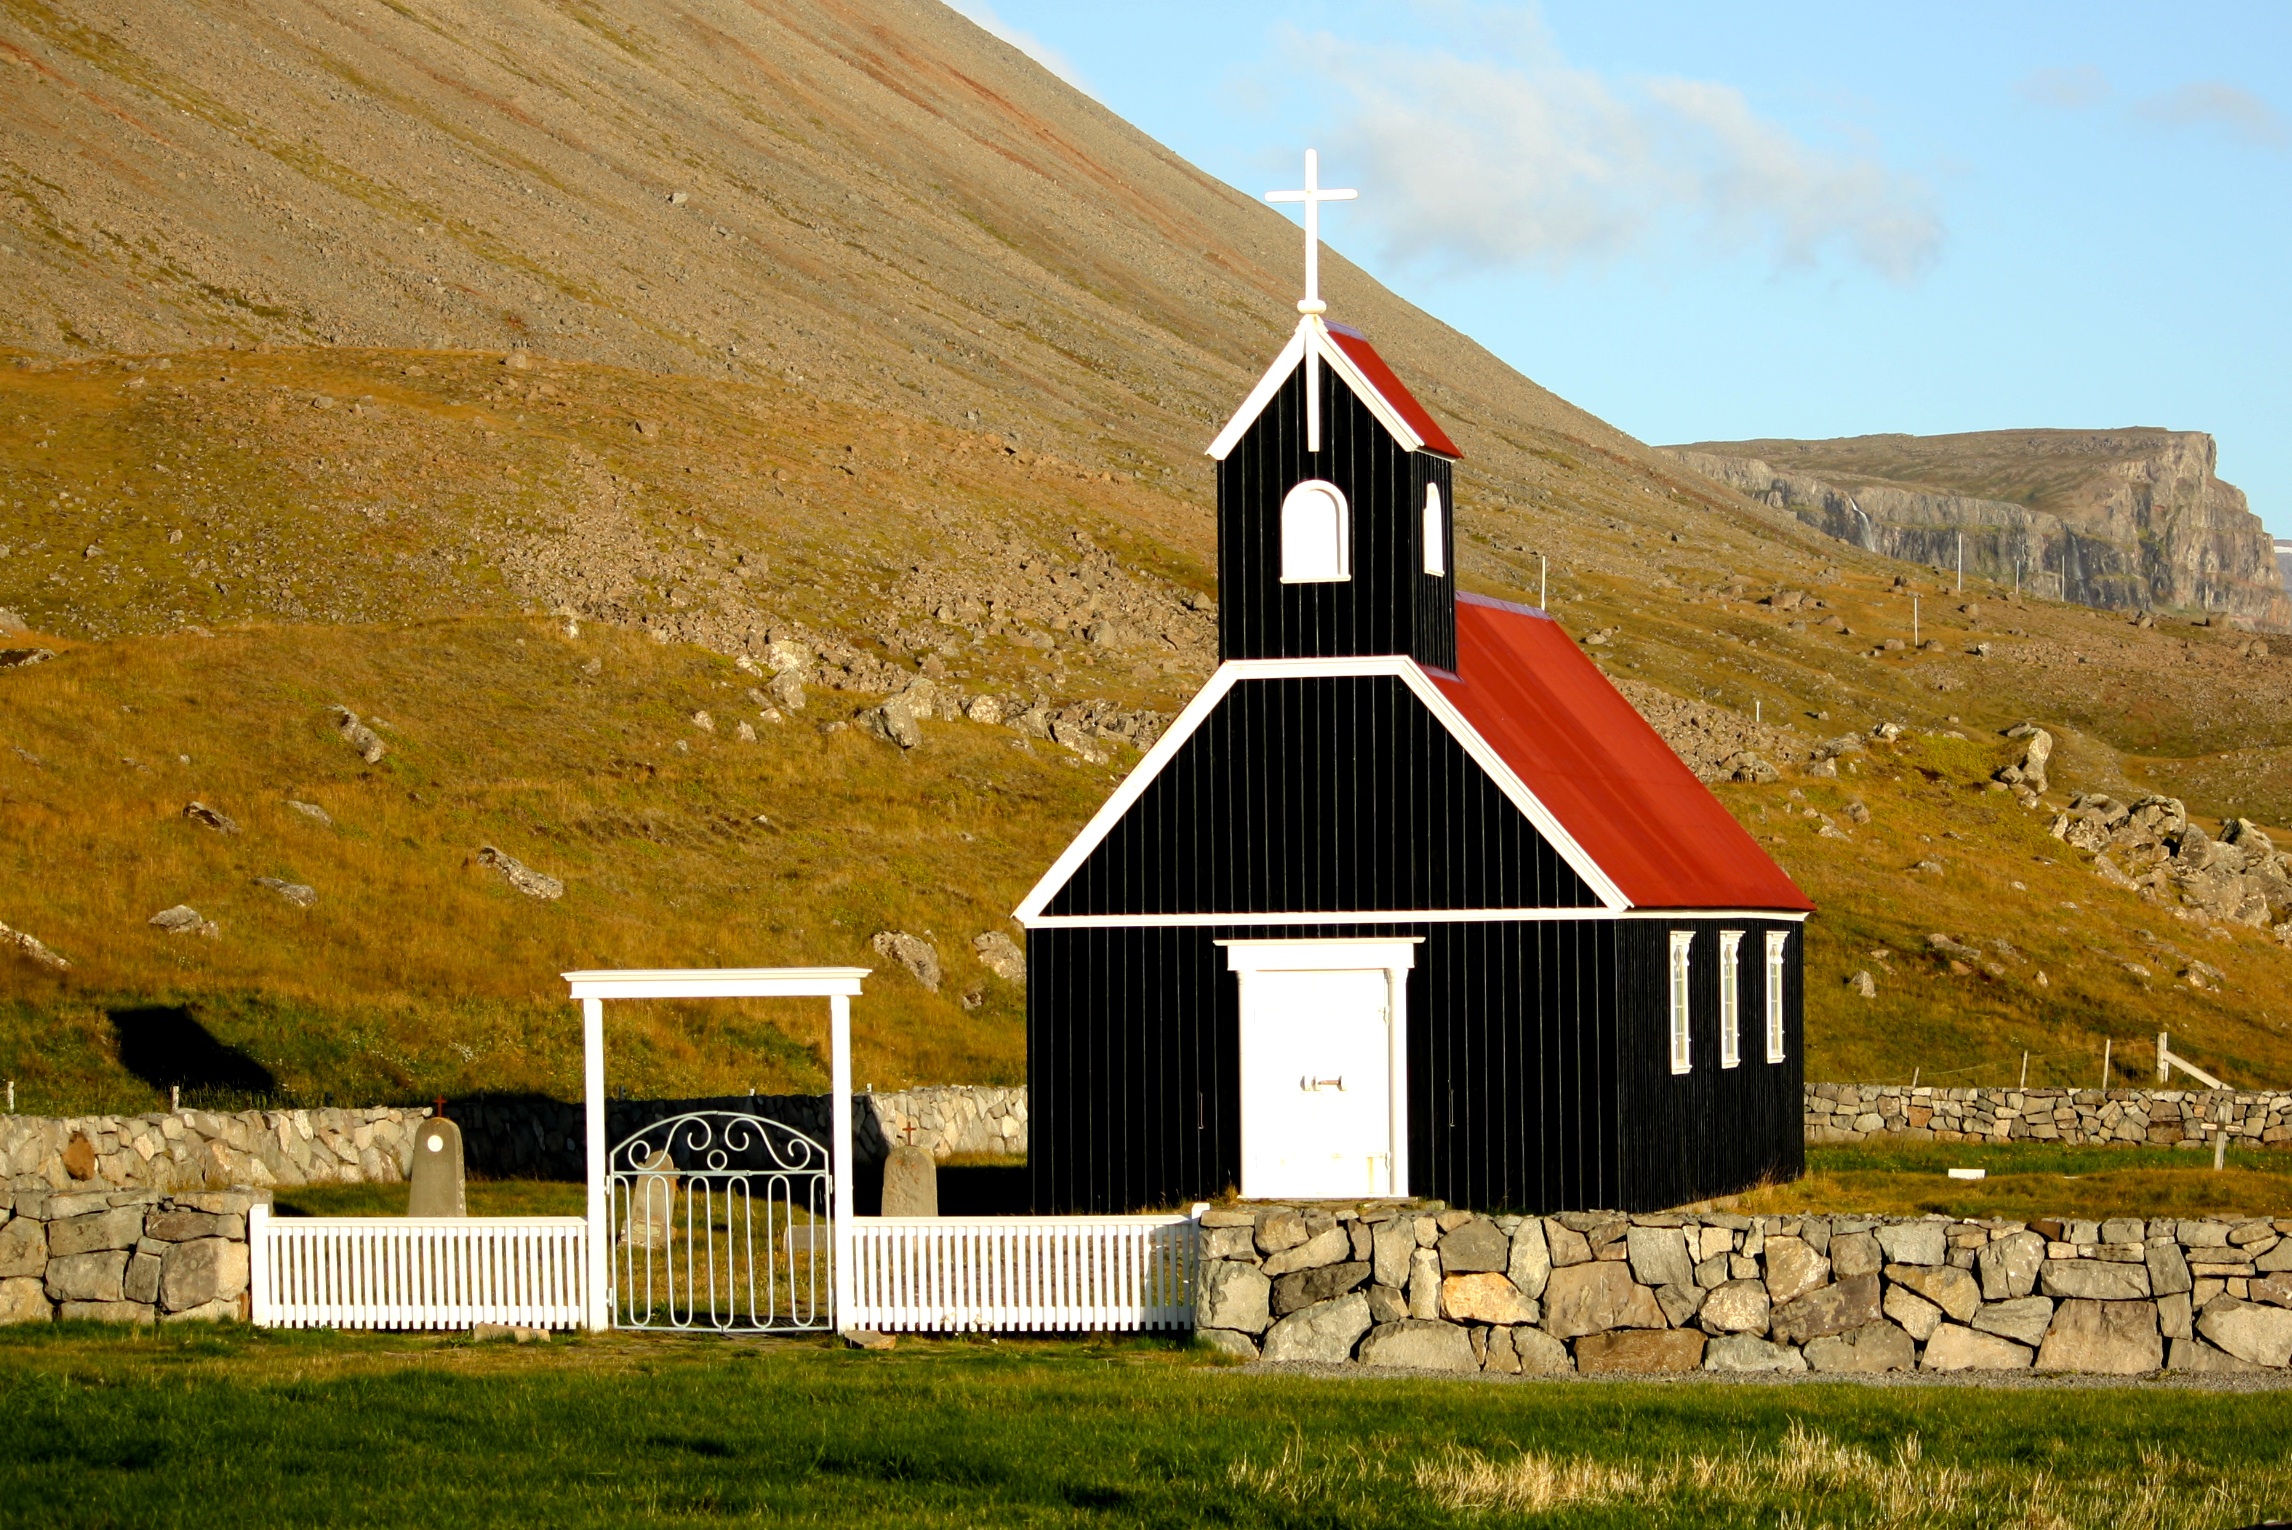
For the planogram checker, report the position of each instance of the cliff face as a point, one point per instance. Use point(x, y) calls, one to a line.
point(2125, 519)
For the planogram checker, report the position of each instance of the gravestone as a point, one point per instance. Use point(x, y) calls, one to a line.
point(910, 1182)
point(434, 1179)
point(652, 1201)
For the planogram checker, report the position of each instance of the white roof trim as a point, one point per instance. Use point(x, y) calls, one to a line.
point(1234, 671)
point(1310, 332)
point(1405, 916)
point(720, 983)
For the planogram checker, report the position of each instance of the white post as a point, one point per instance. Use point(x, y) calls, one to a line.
point(259, 1265)
point(840, 1146)
point(2106, 1043)
point(1543, 583)
point(598, 1273)
point(2164, 1057)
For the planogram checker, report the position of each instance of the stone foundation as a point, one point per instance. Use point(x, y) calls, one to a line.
point(124, 1256)
point(1604, 1293)
point(2157, 1117)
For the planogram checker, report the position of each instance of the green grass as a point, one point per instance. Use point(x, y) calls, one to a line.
point(2027, 1180)
point(112, 1428)
point(486, 1197)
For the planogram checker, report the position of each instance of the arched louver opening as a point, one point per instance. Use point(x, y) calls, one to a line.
point(1316, 534)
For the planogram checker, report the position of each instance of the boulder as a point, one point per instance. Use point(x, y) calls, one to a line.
point(23, 1248)
point(1871, 1348)
point(1748, 1352)
point(1329, 1246)
point(1539, 1353)
point(201, 1271)
point(90, 1277)
point(2196, 1355)
point(1739, 1306)
point(1531, 1263)
point(2094, 1280)
point(23, 1300)
point(1917, 1315)
point(1280, 1227)
point(1915, 1242)
point(917, 955)
point(1001, 955)
point(1419, 1347)
point(1793, 1269)
point(2009, 1266)
point(516, 873)
point(1325, 1334)
point(1392, 1245)
point(1659, 1257)
point(2023, 1319)
point(1233, 1295)
point(1854, 1254)
point(1484, 1298)
point(2262, 1335)
point(1639, 1351)
point(1833, 1309)
point(357, 735)
point(1308, 1288)
point(2104, 1338)
point(1475, 1246)
point(1595, 1297)
point(1227, 1342)
point(897, 721)
point(119, 1227)
point(296, 893)
point(1954, 1348)
point(1946, 1286)
point(212, 818)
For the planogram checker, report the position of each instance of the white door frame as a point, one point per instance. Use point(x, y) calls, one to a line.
point(1394, 956)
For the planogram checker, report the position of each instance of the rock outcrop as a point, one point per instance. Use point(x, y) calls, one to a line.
point(2123, 519)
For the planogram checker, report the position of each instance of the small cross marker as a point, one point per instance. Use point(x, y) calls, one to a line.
point(1312, 194)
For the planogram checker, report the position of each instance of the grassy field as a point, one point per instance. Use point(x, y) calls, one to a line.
point(2033, 1180)
point(109, 1428)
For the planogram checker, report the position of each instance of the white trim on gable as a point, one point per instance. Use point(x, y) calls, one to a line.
point(1234, 671)
point(1309, 332)
point(1555, 914)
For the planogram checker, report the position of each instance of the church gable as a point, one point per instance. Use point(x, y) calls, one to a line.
point(1311, 794)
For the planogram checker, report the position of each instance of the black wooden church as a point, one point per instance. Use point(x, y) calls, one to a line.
point(1408, 901)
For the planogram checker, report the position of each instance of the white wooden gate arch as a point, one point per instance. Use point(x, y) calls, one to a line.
point(838, 985)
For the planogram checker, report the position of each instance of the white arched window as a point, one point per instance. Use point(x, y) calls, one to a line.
point(1316, 539)
point(1436, 532)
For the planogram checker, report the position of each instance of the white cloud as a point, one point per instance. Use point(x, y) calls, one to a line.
point(2067, 89)
point(982, 16)
point(1499, 153)
point(2216, 103)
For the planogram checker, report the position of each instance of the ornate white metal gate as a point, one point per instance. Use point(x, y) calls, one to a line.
point(721, 1223)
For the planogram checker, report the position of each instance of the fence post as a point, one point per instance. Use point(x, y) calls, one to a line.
point(259, 1295)
point(840, 1146)
point(597, 1267)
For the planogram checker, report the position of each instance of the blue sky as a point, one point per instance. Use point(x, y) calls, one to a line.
point(1714, 222)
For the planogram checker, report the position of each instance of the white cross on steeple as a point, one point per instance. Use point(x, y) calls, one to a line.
point(1312, 195)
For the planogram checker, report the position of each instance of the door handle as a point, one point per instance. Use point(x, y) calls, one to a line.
point(1314, 1085)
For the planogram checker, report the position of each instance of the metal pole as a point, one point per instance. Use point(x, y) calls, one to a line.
point(600, 1250)
point(840, 1131)
point(1543, 583)
point(1913, 621)
point(1961, 561)
point(2025, 1070)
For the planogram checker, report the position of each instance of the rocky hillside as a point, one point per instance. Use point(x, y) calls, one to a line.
point(759, 655)
point(2129, 520)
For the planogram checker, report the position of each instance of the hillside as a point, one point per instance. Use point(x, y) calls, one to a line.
point(2131, 520)
point(527, 554)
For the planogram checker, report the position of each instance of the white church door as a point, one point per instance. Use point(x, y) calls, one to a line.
point(1323, 1067)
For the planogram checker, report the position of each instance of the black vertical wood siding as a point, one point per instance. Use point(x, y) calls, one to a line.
point(1538, 1067)
point(1323, 794)
point(1390, 605)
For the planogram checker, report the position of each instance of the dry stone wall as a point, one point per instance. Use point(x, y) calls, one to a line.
point(1599, 1292)
point(2156, 1117)
point(124, 1256)
point(502, 1138)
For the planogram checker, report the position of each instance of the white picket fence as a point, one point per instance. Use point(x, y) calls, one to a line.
point(415, 1272)
point(1021, 1274)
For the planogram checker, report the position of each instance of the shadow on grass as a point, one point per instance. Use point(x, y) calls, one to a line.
point(165, 1046)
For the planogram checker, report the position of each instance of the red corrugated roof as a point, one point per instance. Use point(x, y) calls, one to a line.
point(1607, 776)
point(1362, 354)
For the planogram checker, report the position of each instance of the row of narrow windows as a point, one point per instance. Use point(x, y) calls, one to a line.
point(1317, 534)
point(1730, 998)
